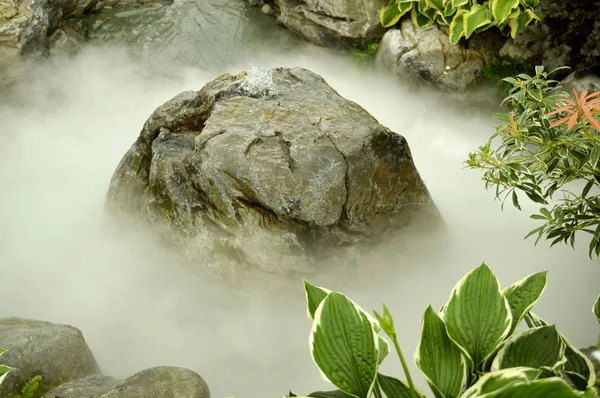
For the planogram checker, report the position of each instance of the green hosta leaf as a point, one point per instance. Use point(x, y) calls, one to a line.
point(390, 15)
point(477, 17)
point(534, 348)
point(458, 3)
point(422, 6)
point(501, 9)
point(491, 382)
point(439, 359)
point(530, 3)
point(553, 387)
point(420, 20)
point(449, 9)
point(523, 295)
point(578, 367)
point(477, 315)
point(517, 21)
point(314, 296)
point(596, 309)
point(344, 345)
point(533, 320)
point(437, 4)
point(457, 26)
point(393, 388)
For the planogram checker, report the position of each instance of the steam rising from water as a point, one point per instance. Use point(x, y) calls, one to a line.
point(64, 131)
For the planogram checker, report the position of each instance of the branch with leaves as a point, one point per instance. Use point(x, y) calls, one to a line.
point(547, 140)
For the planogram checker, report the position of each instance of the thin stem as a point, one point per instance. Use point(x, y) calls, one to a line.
point(406, 372)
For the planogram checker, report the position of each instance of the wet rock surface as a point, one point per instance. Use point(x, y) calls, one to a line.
point(269, 162)
point(425, 56)
point(333, 23)
point(58, 353)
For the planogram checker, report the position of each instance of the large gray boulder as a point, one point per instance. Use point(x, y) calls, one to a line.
point(273, 162)
point(88, 387)
point(58, 353)
point(163, 382)
point(424, 56)
point(333, 23)
point(28, 28)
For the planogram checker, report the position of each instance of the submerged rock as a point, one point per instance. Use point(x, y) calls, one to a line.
point(272, 163)
point(333, 23)
point(58, 353)
point(94, 386)
point(425, 56)
point(161, 381)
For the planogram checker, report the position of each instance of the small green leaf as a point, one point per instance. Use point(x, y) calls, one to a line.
point(553, 387)
point(477, 17)
point(439, 359)
point(314, 296)
point(393, 388)
point(344, 345)
point(457, 27)
point(477, 315)
point(523, 295)
point(596, 309)
point(386, 321)
point(501, 9)
point(437, 4)
point(493, 381)
point(390, 15)
point(578, 367)
point(420, 20)
point(458, 3)
point(534, 348)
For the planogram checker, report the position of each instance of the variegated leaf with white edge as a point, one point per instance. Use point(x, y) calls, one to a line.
point(344, 345)
point(477, 315)
point(439, 359)
point(477, 17)
point(501, 9)
point(522, 295)
point(536, 348)
point(457, 26)
point(493, 381)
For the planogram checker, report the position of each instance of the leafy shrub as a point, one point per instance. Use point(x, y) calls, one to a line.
point(498, 67)
point(469, 349)
point(464, 17)
point(547, 140)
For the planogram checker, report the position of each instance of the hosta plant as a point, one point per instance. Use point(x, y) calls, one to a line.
point(547, 140)
point(464, 17)
point(470, 348)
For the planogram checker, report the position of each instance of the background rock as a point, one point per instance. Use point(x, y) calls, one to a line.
point(162, 381)
point(26, 27)
point(333, 23)
point(88, 387)
point(586, 81)
point(425, 56)
point(58, 353)
point(274, 159)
